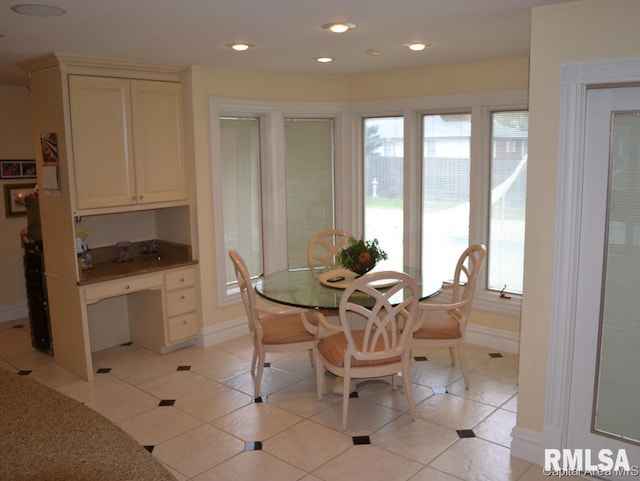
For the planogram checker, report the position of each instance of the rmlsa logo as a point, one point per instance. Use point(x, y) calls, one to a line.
point(571, 462)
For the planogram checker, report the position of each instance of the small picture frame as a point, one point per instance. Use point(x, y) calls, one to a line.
point(14, 195)
point(17, 169)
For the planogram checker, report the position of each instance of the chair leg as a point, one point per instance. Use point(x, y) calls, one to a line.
point(463, 365)
point(453, 356)
point(320, 381)
point(345, 400)
point(406, 386)
point(261, 359)
point(311, 358)
point(254, 358)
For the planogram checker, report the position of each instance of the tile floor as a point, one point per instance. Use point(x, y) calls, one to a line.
point(193, 409)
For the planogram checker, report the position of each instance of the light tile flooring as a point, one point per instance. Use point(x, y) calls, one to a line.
point(193, 409)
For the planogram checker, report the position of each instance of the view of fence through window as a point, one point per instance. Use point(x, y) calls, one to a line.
point(383, 187)
point(446, 192)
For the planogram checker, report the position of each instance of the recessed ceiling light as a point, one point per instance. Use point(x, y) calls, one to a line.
point(38, 10)
point(374, 51)
point(416, 46)
point(324, 59)
point(339, 27)
point(239, 47)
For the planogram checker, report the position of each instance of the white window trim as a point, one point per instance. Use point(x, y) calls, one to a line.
point(480, 106)
point(349, 171)
point(272, 115)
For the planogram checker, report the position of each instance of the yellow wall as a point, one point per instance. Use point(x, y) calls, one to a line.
point(577, 31)
point(15, 143)
point(210, 82)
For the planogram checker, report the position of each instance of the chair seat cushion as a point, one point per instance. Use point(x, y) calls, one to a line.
point(284, 329)
point(438, 325)
point(333, 349)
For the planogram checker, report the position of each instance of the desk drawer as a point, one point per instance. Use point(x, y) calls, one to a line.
point(183, 327)
point(180, 278)
point(181, 301)
point(96, 292)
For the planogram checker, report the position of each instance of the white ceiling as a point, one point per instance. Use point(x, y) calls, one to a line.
point(287, 34)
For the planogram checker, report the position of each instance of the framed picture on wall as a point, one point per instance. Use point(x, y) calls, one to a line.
point(17, 169)
point(14, 195)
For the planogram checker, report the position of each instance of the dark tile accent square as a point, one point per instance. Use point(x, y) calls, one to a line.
point(149, 448)
point(420, 358)
point(357, 440)
point(167, 402)
point(103, 370)
point(24, 373)
point(466, 433)
point(354, 395)
point(495, 354)
point(260, 399)
point(253, 446)
point(267, 364)
point(439, 390)
point(183, 368)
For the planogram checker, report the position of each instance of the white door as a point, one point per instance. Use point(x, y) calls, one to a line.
point(604, 410)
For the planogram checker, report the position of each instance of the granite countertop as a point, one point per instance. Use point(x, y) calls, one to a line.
point(107, 271)
point(105, 268)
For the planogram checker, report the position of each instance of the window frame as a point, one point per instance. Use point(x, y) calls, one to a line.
point(481, 106)
point(272, 176)
point(349, 171)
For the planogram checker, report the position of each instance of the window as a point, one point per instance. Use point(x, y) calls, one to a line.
point(508, 196)
point(426, 177)
point(383, 185)
point(309, 181)
point(240, 153)
point(446, 178)
point(273, 177)
point(457, 165)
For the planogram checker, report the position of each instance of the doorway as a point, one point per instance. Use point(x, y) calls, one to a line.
point(590, 90)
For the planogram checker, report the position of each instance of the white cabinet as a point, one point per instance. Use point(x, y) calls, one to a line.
point(182, 319)
point(128, 141)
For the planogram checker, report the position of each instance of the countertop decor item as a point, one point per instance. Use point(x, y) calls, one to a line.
point(361, 256)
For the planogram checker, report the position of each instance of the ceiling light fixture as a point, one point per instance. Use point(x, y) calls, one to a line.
point(324, 59)
point(339, 27)
point(38, 10)
point(240, 47)
point(416, 46)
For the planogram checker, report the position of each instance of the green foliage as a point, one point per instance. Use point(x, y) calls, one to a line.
point(361, 256)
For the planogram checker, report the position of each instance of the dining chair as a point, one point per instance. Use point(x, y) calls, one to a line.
point(444, 324)
point(273, 328)
point(323, 249)
point(372, 338)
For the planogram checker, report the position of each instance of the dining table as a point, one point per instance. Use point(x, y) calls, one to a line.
point(322, 290)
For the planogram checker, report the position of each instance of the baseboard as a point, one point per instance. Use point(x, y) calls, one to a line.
point(11, 312)
point(225, 331)
point(527, 445)
point(498, 339)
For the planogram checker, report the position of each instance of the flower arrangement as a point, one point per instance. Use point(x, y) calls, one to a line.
point(361, 256)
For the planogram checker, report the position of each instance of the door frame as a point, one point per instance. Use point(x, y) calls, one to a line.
point(576, 78)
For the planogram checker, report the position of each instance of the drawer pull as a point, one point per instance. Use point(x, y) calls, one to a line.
point(127, 287)
point(182, 297)
point(182, 279)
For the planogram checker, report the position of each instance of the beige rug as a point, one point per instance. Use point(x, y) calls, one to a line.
point(47, 436)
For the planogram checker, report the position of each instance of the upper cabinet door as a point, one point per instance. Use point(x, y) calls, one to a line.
point(158, 141)
point(101, 133)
